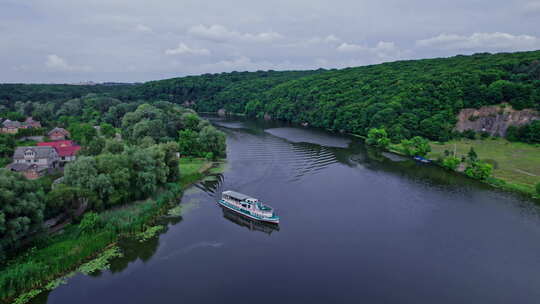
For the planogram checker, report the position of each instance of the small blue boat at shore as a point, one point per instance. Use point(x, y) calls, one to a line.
point(422, 159)
point(248, 206)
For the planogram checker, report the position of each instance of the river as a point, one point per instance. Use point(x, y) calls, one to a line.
point(356, 226)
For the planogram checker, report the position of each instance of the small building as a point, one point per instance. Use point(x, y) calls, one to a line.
point(34, 162)
point(41, 156)
point(67, 149)
point(10, 126)
point(59, 134)
point(30, 171)
point(31, 123)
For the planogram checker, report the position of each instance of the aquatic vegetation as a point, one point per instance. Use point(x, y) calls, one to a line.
point(101, 262)
point(149, 233)
point(25, 297)
point(176, 211)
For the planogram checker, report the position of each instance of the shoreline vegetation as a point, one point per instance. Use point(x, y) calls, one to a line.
point(90, 245)
point(136, 159)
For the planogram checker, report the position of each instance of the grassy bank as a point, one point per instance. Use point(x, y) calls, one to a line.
point(194, 169)
point(516, 164)
point(56, 257)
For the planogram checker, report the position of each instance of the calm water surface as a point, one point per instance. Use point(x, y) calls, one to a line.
point(357, 227)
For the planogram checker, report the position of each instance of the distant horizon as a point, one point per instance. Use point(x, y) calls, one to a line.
point(96, 82)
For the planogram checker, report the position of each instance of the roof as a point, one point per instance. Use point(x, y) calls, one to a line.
point(30, 120)
point(11, 124)
point(41, 152)
point(60, 130)
point(237, 195)
point(25, 167)
point(63, 147)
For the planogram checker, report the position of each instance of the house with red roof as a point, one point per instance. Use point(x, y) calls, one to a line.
point(66, 149)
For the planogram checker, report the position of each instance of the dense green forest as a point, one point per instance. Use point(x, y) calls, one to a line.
point(407, 98)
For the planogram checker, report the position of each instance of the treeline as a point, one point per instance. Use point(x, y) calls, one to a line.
point(529, 133)
point(10, 93)
point(407, 98)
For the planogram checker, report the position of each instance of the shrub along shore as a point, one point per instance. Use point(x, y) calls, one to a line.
point(87, 246)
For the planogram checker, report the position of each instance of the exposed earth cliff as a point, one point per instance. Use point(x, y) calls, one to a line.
point(494, 119)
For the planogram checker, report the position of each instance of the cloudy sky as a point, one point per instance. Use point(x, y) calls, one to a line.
point(51, 41)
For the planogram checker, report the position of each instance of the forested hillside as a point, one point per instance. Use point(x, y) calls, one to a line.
point(416, 97)
point(407, 98)
point(211, 92)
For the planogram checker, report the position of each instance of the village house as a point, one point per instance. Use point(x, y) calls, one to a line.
point(66, 149)
point(58, 134)
point(10, 126)
point(34, 162)
point(31, 123)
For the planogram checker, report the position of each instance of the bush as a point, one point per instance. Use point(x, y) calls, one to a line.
point(538, 188)
point(378, 138)
point(479, 170)
point(90, 222)
point(470, 134)
point(417, 146)
point(451, 163)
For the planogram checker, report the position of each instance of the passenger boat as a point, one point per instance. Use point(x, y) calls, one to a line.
point(248, 206)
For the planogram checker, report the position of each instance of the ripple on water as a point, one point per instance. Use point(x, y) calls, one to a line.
point(310, 136)
point(299, 157)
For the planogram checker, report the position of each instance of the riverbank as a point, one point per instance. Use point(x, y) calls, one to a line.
point(516, 166)
point(86, 248)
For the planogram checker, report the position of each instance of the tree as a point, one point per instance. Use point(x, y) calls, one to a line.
point(7, 145)
point(212, 140)
point(21, 209)
point(94, 147)
point(190, 121)
point(113, 146)
point(82, 174)
point(82, 132)
point(188, 142)
point(479, 170)
point(417, 146)
point(538, 188)
point(451, 163)
point(171, 159)
point(378, 138)
point(107, 130)
point(472, 156)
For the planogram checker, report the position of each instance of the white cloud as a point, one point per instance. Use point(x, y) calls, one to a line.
point(383, 50)
point(347, 47)
point(219, 33)
point(143, 28)
point(328, 39)
point(183, 49)
point(55, 62)
point(479, 41)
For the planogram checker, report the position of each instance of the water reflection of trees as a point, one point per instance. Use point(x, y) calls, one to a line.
point(250, 224)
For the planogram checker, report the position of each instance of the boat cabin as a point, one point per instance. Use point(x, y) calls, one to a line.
point(245, 201)
point(238, 197)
